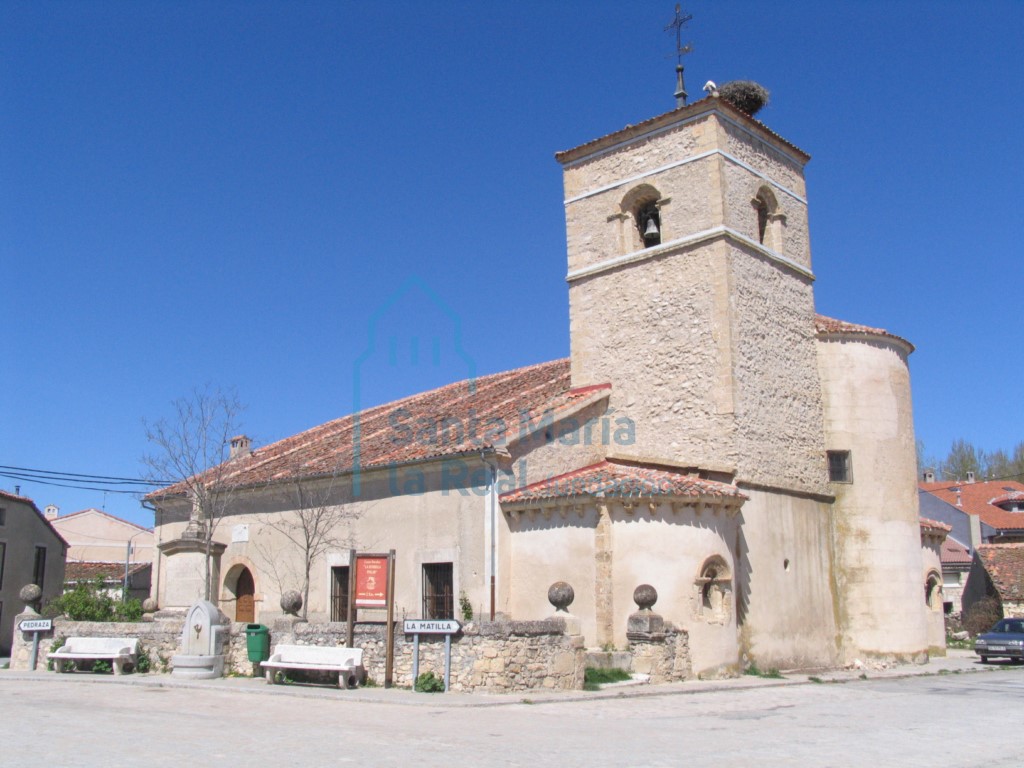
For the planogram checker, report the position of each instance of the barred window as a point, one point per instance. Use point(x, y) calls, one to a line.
point(438, 589)
point(339, 593)
point(840, 468)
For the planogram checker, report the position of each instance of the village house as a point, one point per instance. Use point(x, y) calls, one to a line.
point(105, 547)
point(710, 435)
point(31, 552)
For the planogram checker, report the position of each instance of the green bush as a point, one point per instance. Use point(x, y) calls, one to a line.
point(90, 601)
point(429, 683)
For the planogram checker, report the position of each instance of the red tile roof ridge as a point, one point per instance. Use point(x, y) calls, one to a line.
point(928, 523)
point(499, 402)
point(827, 326)
point(627, 478)
point(975, 499)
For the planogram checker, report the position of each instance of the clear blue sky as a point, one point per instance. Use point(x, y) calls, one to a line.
point(228, 193)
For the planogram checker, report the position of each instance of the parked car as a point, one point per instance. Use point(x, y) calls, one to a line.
point(1005, 640)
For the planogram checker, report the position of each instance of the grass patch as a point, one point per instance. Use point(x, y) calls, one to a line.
point(594, 677)
point(770, 674)
point(814, 679)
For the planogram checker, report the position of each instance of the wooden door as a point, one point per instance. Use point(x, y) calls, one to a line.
point(245, 593)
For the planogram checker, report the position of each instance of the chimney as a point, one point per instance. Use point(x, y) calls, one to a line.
point(240, 446)
point(929, 475)
point(975, 532)
point(970, 477)
point(51, 511)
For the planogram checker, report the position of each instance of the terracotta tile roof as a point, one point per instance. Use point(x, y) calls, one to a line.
point(108, 571)
point(1005, 566)
point(933, 526)
point(1012, 496)
point(954, 553)
point(829, 326)
point(706, 104)
point(977, 498)
point(617, 479)
point(457, 419)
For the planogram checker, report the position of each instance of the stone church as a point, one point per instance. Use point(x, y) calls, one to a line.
point(709, 435)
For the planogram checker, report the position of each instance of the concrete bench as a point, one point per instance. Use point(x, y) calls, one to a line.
point(116, 650)
point(347, 662)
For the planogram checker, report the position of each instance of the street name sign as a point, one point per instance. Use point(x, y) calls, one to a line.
point(432, 627)
point(36, 625)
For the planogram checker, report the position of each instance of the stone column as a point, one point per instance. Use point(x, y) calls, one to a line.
point(603, 591)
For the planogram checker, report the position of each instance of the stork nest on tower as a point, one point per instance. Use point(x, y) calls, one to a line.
point(745, 95)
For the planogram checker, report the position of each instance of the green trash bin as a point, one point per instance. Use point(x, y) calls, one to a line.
point(257, 640)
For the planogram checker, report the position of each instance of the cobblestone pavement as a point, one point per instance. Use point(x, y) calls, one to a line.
point(954, 712)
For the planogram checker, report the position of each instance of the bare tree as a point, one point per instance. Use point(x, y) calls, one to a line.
point(191, 451)
point(962, 459)
point(312, 521)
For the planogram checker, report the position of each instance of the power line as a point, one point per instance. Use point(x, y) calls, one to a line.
point(70, 475)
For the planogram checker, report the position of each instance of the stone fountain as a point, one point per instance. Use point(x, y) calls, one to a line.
point(202, 642)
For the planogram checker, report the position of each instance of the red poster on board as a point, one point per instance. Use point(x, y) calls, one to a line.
point(371, 582)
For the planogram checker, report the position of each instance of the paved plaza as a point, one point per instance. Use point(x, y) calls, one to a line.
point(964, 715)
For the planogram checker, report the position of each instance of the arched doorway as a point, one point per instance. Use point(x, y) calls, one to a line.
point(245, 594)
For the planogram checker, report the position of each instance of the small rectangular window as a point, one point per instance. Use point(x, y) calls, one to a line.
point(339, 593)
point(438, 590)
point(840, 467)
point(3, 516)
point(3, 554)
point(39, 571)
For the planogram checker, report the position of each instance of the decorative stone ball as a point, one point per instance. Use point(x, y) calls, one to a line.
point(645, 596)
point(291, 602)
point(30, 593)
point(561, 595)
point(149, 605)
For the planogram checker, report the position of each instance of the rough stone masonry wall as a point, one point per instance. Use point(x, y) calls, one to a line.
point(159, 639)
point(499, 657)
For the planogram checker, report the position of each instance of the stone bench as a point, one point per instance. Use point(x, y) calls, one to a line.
point(116, 650)
point(347, 662)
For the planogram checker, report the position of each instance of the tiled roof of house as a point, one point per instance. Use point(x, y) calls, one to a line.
point(976, 499)
point(1012, 496)
point(829, 326)
point(80, 571)
point(954, 553)
point(1005, 566)
point(934, 526)
point(619, 480)
point(457, 419)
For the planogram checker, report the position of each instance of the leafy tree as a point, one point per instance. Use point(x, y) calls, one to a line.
point(91, 600)
point(191, 453)
point(962, 458)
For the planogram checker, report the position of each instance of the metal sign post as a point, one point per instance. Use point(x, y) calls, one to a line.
point(35, 626)
point(446, 627)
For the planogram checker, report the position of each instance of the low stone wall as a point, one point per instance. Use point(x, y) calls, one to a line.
point(498, 657)
point(666, 659)
point(158, 639)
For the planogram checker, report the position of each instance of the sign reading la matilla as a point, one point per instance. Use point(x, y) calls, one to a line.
point(36, 625)
point(432, 627)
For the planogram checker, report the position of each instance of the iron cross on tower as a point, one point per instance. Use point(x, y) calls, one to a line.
point(677, 24)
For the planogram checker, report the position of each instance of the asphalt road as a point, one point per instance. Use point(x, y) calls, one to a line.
point(956, 720)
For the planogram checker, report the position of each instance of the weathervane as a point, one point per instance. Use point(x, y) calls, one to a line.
point(677, 24)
